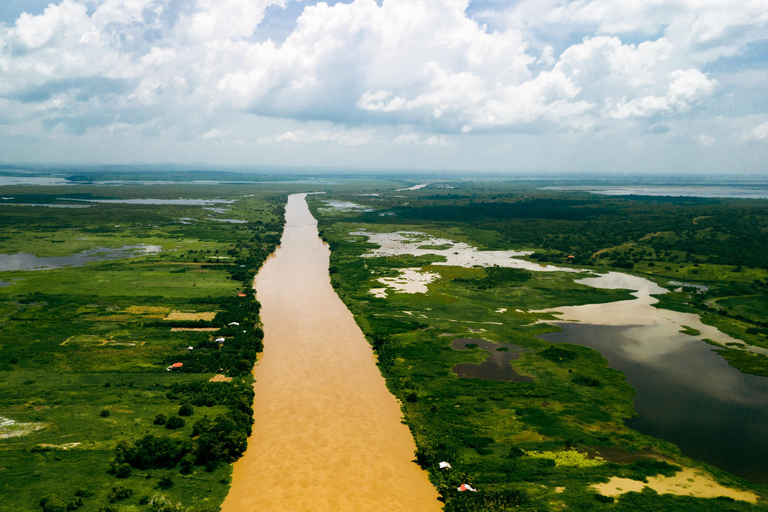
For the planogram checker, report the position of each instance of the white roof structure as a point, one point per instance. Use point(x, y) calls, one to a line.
point(445, 465)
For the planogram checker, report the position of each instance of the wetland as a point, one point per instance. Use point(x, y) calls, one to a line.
point(560, 349)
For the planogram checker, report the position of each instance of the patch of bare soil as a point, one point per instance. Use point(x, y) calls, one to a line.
point(201, 315)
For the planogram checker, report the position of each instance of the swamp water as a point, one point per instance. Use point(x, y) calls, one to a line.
point(686, 393)
point(328, 434)
point(25, 261)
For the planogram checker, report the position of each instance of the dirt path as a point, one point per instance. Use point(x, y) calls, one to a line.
point(328, 435)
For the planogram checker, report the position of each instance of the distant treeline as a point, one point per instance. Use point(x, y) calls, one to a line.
point(722, 231)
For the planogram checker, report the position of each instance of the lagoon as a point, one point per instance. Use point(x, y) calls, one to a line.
point(686, 393)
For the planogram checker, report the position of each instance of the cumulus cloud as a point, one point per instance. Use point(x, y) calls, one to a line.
point(760, 132)
point(422, 63)
point(418, 140)
point(214, 134)
point(341, 137)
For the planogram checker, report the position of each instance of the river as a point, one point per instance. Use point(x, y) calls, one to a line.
point(328, 434)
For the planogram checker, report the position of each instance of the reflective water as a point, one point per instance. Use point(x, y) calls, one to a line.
point(191, 202)
point(686, 393)
point(757, 192)
point(458, 254)
point(496, 367)
point(24, 261)
point(328, 434)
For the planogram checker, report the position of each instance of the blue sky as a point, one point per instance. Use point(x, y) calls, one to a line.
point(522, 86)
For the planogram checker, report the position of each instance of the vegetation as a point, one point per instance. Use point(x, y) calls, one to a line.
point(533, 445)
point(85, 348)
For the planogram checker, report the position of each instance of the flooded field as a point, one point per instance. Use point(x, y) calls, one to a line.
point(457, 254)
point(328, 434)
point(25, 261)
point(686, 393)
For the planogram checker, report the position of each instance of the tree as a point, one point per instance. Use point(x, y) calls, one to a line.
point(174, 422)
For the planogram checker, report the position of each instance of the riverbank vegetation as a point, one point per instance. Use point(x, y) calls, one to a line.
point(542, 441)
point(92, 418)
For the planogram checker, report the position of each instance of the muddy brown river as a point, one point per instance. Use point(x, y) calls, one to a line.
point(328, 434)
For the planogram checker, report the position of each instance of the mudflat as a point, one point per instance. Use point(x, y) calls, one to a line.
point(328, 434)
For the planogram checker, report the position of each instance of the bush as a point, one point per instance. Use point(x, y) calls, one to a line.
point(120, 494)
point(160, 419)
point(52, 504)
point(104, 413)
point(162, 504)
point(123, 470)
point(165, 481)
point(174, 422)
point(186, 410)
point(152, 452)
point(186, 463)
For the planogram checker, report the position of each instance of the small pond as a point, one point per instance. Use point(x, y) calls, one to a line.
point(496, 367)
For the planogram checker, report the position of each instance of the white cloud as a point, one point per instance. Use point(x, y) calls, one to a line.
point(415, 67)
point(341, 137)
point(418, 140)
point(215, 134)
point(760, 132)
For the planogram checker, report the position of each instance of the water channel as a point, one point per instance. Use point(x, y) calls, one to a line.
point(328, 434)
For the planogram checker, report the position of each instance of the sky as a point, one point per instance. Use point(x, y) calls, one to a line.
point(624, 86)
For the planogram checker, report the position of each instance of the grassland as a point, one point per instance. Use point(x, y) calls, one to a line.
point(84, 350)
point(516, 441)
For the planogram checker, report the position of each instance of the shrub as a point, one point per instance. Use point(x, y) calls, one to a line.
point(152, 452)
point(186, 463)
point(161, 504)
point(165, 481)
point(123, 470)
point(120, 494)
point(186, 410)
point(174, 422)
point(160, 419)
point(104, 413)
point(52, 504)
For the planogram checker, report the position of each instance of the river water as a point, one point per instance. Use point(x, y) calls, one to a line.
point(328, 434)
